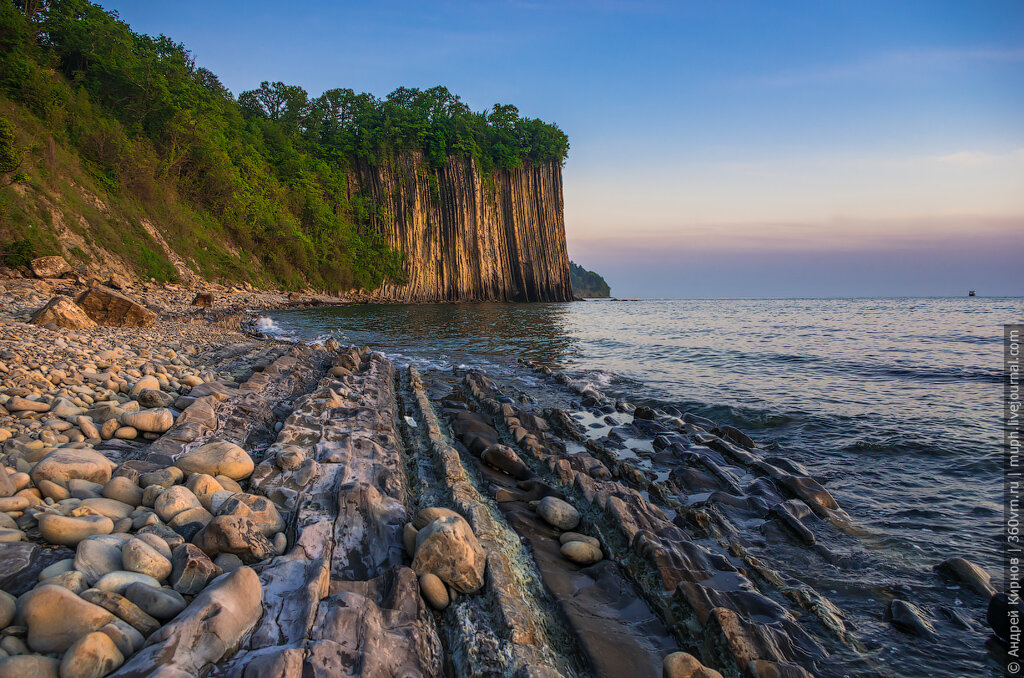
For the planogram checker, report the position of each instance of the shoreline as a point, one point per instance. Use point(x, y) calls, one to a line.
point(322, 497)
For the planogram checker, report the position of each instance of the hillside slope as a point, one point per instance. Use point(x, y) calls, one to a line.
point(128, 158)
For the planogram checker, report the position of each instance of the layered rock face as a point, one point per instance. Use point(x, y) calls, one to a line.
point(471, 237)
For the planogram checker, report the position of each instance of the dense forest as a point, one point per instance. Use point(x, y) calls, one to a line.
point(85, 102)
point(587, 283)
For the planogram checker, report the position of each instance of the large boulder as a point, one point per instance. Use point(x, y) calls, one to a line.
point(237, 535)
point(62, 311)
point(258, 509)
point(219, 458)
point(49, 267)
point(67, 463)
point(107, 307)
point(448, 548)
point(56, 618)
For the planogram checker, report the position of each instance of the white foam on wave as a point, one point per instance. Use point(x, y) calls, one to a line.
point(269, 326)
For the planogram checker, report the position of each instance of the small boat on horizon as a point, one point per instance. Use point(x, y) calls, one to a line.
point(970, 293)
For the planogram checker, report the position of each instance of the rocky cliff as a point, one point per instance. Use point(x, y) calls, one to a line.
point(468, 236)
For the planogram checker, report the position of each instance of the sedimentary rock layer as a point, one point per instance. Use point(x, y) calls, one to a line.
point(468, 236)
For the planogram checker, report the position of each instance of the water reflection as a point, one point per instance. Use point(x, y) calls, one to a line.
point(451, 334)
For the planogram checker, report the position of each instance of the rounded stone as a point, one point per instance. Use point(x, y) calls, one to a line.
point(73, 581)
point(56, 618)
point(8, 607)
point(66, 531)
point(409, 539)
point(138, 556)
point(34, 665)
point(217, 458)
point(152, 397)
point(65, 463)
point(60, 567)
point(98, 556)
point(428, 515)
point(228, 562)
point(111, 508)
point(685, 665)
point(581, 552)
point(126, 433)
point(159, 603)
point(125, 636)
point(558, 513)
point(121, 580)
point(448, 548)
point(156, 542)
point(124, 490)
point(204, 486)
point(173, 501)
point(147, 382)
point(149, 421)
point(504, 458)
point(94, 655)
point(567, 537)
point(259, 510)
point(434, 591)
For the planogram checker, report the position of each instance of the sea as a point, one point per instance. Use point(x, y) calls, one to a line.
point(894, 403)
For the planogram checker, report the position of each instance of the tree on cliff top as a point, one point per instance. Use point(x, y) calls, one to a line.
point(587, 283)
point(267, 172)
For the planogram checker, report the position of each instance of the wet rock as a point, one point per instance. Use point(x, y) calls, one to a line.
point(448, 548)
point(92, 656)
point(25, 665)
point(49, 267)
point(505, 459)
point(762, 668)
point(124, 609)
point(56, 618)
point(139, 556)
point(205, 632)
point(159, 603)
point(434, 591)
point(685, 665)
point(910, 618)
point(737, 436)
point(66, 463)
point(191, 570)
point(62, 311)
point(998, 616)
point(218, 458)
point(582, 553)
point(259, 510)
point(58, 529)
point(107, 307)
point(558, 513)
point(967, 572)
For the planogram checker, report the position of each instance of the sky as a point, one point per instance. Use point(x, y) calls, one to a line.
point(718, 148)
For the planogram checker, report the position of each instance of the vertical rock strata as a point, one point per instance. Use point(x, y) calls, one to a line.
point(468, 236)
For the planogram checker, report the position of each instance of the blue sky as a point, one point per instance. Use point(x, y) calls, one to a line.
point(719, 148)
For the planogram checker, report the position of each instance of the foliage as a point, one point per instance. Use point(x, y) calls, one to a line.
point(18, 253)
point(587, 283)
point(10, 154)
point(267, 174)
